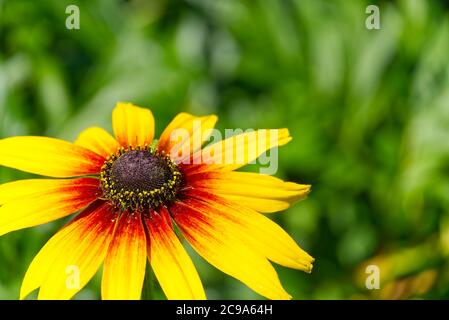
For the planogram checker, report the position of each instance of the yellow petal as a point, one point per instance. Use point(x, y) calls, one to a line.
point(172, 266)
point(22, 188)
point(186, 132)
point(251, 227)
point(98, 140)
point(48, 157)
point(239, 150)
point(52, 200)
point(227, 252)
point(259, 192)
point(259, 204)
point(133, 126)
point(71, 257)
point(124, 266)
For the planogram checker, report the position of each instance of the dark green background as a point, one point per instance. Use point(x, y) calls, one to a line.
point(368, 111)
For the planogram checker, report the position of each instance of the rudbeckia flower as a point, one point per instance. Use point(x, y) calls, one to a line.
point(136, 202)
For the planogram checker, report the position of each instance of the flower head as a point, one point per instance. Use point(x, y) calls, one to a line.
point(131, 193)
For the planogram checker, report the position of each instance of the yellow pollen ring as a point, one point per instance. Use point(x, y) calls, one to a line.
point(129, 197)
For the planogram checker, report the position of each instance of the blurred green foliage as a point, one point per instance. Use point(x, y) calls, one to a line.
point(368, 111)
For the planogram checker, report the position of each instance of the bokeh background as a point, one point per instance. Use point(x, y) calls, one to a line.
point(368, 110)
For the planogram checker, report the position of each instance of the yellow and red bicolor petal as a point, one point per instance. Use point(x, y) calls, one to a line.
point(171, 264)
point(71, 257)
point(186, 134)
point(49, 157)
point(227, 252)
point(28, 203)
point(125, 263)
point(251, 227)
point(237, 151)
point(262, 193)
point(133, 126)
point(98, 140)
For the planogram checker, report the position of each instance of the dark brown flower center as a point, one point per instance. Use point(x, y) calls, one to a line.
point(140, 170)
point(140, 179)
